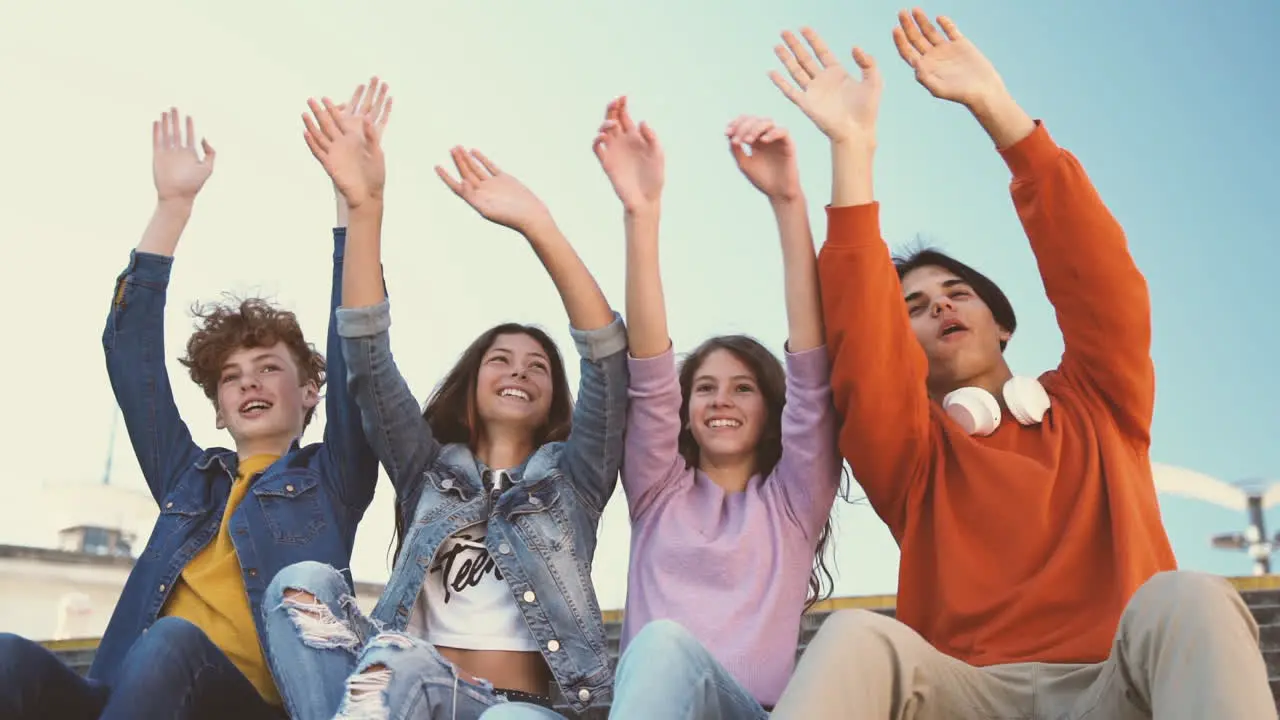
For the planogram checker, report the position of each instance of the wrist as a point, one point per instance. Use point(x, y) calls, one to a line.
point(791, 200)
point(175, 207)
point(645, 210)
point(1001, 116)
point(538, 229)
point(369, 208)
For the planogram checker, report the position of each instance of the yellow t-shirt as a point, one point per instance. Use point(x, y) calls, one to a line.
point(210, 593)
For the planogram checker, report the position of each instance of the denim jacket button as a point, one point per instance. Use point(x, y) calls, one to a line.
point(584, 695)
point(447, 484)
point(535, 501)
point(529, 596)
point(161, 587)
point(504, 548)
point(168, 505)
point(554, 645)
point(288, 488)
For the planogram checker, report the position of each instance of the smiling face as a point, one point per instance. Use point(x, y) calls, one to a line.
point(960, 337)
point(514, 383)
point(727, 411)
point(261, 399)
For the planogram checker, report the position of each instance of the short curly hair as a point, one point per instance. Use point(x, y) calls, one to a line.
point(223, 328)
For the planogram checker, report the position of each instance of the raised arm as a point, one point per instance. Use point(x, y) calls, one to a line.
point(353, 464)
point(593, 451)
point(133, 339)
point(878, 368)
point(349, 147)
point(632, 159)
point(1100, 297)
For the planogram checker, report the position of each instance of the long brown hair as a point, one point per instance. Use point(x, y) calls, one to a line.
point(451, 410)
point(772, 380)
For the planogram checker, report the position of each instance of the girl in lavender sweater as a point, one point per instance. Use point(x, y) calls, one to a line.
point(730, 468)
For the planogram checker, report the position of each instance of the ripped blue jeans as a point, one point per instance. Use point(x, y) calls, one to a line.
point(330, 661)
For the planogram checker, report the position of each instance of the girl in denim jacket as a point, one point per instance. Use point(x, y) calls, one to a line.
point(499, 485)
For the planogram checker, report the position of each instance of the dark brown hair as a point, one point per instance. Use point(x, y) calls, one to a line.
point(451, 410)
point(772, 380)
point(986, 290)
point(223, 328)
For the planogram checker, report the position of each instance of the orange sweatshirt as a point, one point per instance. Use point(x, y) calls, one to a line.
point(1024, 545)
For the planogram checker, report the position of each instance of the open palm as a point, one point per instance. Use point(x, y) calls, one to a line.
point(771, 163)
point(177, 169)
point(497, 196)
point(949, 66)
point(349, 148)
point(843, 107)
point(631, 157)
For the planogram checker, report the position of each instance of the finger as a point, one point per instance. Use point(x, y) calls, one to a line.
point(744, 128)
point(624, 116)
point(600, 146)
point(488, 164)
point(454, 185)
point(191, 134)
point(480, 169)
point(333, 115)
point(608, 127)
point(914, 36)
point(155, 135)
point(174, 138)
point(370, 131)
point(385, 116)
point(461, 162)
point(773, 134)
point(787, 88)
point(315, 131)
point(379, 100)
point(905, 49)
point(825, 56)
point(353, 105)
point(758, 128)
point(649, 135)
point(798, 73)
point(314, 144)
point(209, 153)
point(611, 109)
point(739, 154)
point(948, 27)
point(866, 63)
point(801, 53)
point(927, 29)
point(733, 125)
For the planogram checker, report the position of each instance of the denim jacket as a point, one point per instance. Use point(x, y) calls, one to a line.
point(305, 506)
point(541, 530)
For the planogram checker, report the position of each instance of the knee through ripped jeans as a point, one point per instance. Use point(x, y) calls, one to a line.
point(331, 661)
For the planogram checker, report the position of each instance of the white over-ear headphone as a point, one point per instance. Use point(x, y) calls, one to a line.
point(978, 412)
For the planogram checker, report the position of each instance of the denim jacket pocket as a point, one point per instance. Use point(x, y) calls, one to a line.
point(181, 508)
point(538, 514)
point(291, 504)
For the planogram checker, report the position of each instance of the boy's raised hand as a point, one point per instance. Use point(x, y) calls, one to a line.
point(348, 146)
point(843, 108)
point(497, 196)
point(771, 165)
point(948, 66)
point(177, 169)
point(631, 157)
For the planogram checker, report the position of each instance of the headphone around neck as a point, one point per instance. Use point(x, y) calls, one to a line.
point(978, 411)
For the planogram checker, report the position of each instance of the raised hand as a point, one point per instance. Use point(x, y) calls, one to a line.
point(631, 157)
point(950, 67)
point(842, 107)
point(348, 146)
point(177, 169)
point(771, 164)
point(497, 196)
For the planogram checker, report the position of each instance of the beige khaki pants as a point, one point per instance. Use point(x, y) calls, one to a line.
point(1186, 648)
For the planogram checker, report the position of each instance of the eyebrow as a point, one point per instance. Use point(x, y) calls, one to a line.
point(256, 358)
point(509, 351)
point(946, 285)
point(749, 378)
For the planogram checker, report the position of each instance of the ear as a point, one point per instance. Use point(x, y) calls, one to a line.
point(218, 420)
point(310, 395)
point(1004, 335)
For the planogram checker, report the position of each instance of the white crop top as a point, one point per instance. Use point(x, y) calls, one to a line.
point(465, 602)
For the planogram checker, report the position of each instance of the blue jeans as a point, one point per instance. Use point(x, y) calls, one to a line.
point(665, 673)
point(330, 661)
point(172, 671)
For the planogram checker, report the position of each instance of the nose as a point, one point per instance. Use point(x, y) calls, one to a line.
point(722, 398)
point(520, 372)
point(941, 304)
point(249, 381)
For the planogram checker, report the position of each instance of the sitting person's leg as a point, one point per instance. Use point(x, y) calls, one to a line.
point(315, 632)
point(174, 671)
point(865, 666)
point(34, 683)
point(666, 673)
point(1186, 647)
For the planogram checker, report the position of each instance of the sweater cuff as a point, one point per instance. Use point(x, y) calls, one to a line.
point(853, 226)
point(1029, 155)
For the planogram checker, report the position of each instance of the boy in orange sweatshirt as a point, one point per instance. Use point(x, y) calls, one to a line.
point(1036, 578)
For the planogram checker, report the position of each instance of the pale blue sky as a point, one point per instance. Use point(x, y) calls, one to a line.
point(1170, 107)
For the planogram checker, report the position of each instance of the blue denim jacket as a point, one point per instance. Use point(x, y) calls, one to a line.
point(541, 530)
point(304, 507)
